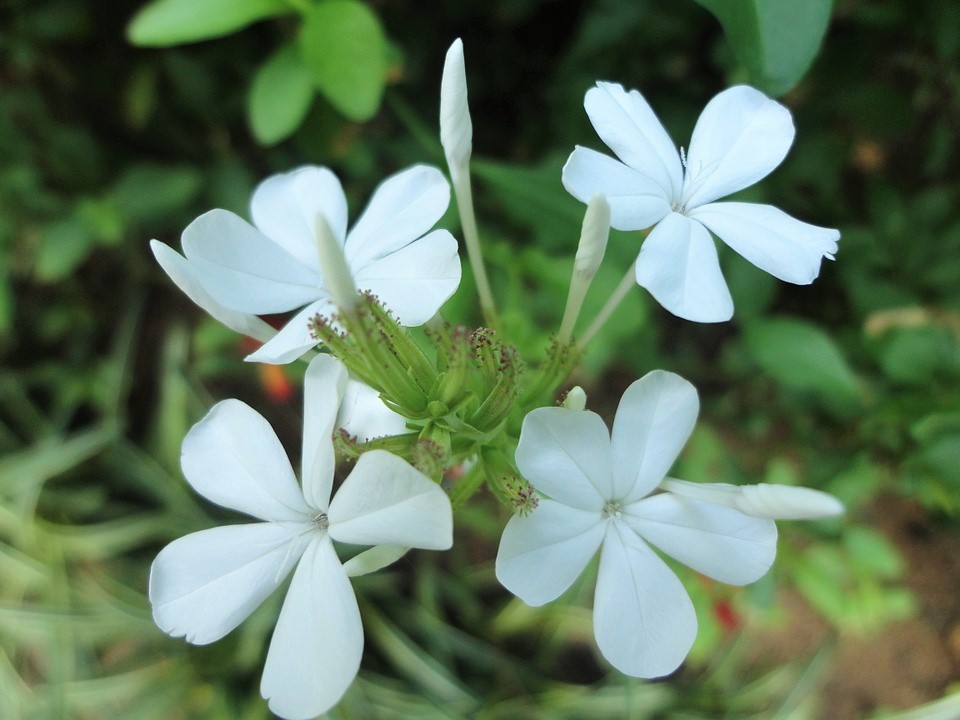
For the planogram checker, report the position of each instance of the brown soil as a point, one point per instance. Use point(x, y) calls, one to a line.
point(909, 662)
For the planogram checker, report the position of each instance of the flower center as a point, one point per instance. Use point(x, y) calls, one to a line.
point(321, 521)
point(612, 508)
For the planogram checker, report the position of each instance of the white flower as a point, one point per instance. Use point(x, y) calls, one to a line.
point(598, 497)
point(205, 584)
point(275, 266)
point(740, 137)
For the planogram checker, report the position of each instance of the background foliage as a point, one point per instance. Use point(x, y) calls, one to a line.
point(851, 385)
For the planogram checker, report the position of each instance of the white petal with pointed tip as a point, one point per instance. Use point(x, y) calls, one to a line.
point(627, 124)
point(243, 269)
point(542, 553)
point(233, 458)
point(205, 584)
point(654, 420)
point(643, 619)
point(179, 269)
point(678, 264)
point(636, 201)
point(565, 454)
point(416, 280)
point(285, 208)
point(295, 338)
point(740, 137)
point(719, 542)
point(386, 501)
point(323, 386)
point(786, 248)
point(403, 207)
point(316, 647)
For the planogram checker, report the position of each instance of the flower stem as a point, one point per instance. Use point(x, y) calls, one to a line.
point(468, 221)
point(616, 297)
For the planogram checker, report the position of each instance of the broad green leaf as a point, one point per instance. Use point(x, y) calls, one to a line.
point(150, 193)
point(344, 47)
point(802, 356)
point(280, 96)
point(174, 22)
point(774, 40)
point(63, 246)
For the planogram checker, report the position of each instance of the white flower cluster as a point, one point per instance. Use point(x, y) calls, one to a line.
point(587, 489)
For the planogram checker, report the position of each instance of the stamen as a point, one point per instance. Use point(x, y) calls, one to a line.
point(683, 157)
point(613, 508)
point(321, 521)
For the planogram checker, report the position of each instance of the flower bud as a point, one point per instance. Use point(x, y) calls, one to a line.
point(333, 265)
point(773, 502)
point(593, 244)
point(576, 399)
point(456, 128)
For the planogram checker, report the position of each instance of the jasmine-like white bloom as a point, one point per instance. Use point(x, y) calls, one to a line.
point(740, 137)
point(597, 489)
point(205, 584)
point(275, 267)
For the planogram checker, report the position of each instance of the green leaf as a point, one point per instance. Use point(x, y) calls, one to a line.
point(801, 356)
point(345, 49)
point(63, 246)
point(280, 96)
point(774, 40)
point(150, 193)
point(174, 22)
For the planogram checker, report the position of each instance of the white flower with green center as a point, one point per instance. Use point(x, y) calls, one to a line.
point(274, 266)
point(597, 496)
point(740, 137)
point(204, 585)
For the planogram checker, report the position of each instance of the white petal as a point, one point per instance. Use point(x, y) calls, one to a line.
point(627, 124)
point(233, 458)
point(403, 207)
point(363, 414)
point(415, 280)
point(678, 264)
point(323, 386)
point(740, 137)
point(717, 541)
point(542, 553)
point(295, 338)
point(456, 128)
point(776, 502)
point(386, 501)
point(205, 584)
point(373, 559)
point(643, 619)
point(636, 201)
point(565, 454)
point(316, 647)
point(179, 269)
point(285, 208)
point(243, 269)
point(655, 417)
point(769, 238)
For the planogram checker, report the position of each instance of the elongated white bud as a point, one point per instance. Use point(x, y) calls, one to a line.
point(590, 251)
point(333, 265)
point(456, 128)
point(775, 502)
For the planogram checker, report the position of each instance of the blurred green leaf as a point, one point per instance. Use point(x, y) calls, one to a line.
point(149, 193)
point(774, 40)
point(173, 22)
point(917, 355)
point(63, 246)
point(800, 355)
point(280, 96)
point(344, 47)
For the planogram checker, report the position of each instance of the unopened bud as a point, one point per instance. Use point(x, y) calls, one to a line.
point(593, 244)
point(773, 502)
point(456, 128)
point(576, 399)
point(333, 265)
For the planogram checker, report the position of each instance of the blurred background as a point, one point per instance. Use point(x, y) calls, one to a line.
point(121, 121)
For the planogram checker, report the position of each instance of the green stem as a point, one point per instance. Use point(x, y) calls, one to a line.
point(616, 297)
point(462, 189)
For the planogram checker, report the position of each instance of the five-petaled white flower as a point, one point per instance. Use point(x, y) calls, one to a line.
point(275, 266)
point(598, 490)
point(740, 137)
point(205, 584)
